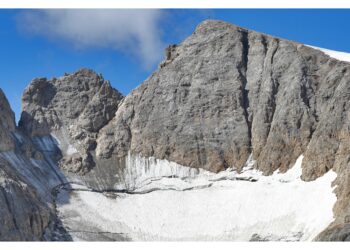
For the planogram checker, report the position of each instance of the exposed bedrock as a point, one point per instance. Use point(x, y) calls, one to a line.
point(221, 95)
point(7, 124)
point(23, 215)
point(26, 211)
point(73, 108)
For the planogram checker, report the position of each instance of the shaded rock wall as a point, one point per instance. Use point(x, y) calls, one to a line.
point(7, 124)
point(25, 211)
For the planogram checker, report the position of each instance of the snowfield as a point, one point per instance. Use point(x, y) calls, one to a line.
point(339, 55)
point(171, 202)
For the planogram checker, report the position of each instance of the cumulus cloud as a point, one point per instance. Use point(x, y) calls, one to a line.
point(135, 32)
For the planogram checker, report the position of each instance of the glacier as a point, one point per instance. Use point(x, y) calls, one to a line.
point(167, 201)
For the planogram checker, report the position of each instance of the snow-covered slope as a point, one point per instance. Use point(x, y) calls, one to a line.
point(342, 56)
point(204, 206)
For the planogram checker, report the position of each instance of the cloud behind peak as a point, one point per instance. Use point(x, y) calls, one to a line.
point(132, 31)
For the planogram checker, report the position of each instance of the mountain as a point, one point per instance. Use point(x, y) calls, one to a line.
point(230, 114)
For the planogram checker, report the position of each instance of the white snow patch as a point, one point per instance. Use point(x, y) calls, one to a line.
point(342, 56)
point(62, 141)
point(71, 150)
point(224, 206)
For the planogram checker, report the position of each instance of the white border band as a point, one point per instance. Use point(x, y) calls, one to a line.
point(174, 4)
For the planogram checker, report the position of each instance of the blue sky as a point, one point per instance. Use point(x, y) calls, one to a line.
point(126, 47)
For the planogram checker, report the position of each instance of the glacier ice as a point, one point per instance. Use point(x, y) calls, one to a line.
point(168, 201)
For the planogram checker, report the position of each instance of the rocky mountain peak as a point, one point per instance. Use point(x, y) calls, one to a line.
point(208, 26)
point(50, 104)
point(74, 108)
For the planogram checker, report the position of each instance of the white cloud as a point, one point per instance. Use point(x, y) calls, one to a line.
point(135, 32)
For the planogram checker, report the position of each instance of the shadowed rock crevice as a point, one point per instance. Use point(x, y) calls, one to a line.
point(245, 92)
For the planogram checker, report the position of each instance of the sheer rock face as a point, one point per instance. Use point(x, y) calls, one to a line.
point(23, 215)
point(7, 124)
point(193, 110)
point(73, 108)
point(226, 92)
point(221, 95)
